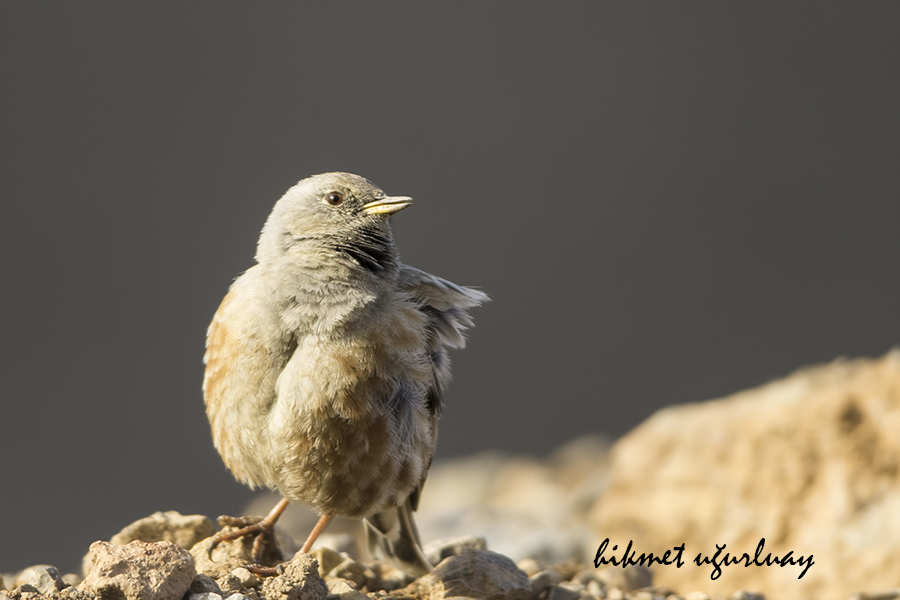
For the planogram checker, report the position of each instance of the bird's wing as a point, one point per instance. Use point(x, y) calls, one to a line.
point(392, 533)
point(445, 306)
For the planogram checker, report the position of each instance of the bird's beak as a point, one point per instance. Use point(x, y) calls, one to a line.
point(388, 205)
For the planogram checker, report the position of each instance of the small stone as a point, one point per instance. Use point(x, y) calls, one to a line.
point(438, 550)
point(204, 596)
point(479, 574)
point(299, 581)
point(568, 568)
point(345, 590)
point(47, 580)
point(646, 596)
point(585, 576)
point(657, 590)
point(246, 578)
point(745, 595)
point(139, 571)
point(388, 577)
point(351, 570)
point(530, 566)
point(71, 578)
point(674, 597)
point(72, 593)
point(204, 584)
point(628, 579)
point(170, 526)
point(25, 575)
point(696, 596)
point(615, 594)
point(541, 582)
point(230, 585)
point(562, 592)
point(230, 555)
point(328, 558)
point(239, 597)
point(596, 588)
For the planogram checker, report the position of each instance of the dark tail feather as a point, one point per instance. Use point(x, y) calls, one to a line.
point(393, 538)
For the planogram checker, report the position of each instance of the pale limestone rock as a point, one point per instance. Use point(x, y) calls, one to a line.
point(25, 576)
point(47, 581)
point(438, 550)
point(811, 463)
point(170, 526)
point(344, 590)
point(300, 580)
point(478, 574)
point(139, 571)
point(230, 555)
point(351, 570)
point(327, 559)
point(626, 579)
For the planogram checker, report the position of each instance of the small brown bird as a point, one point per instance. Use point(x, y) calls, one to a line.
point(326, 362)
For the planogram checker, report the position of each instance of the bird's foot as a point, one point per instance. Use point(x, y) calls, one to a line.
point(263, 529)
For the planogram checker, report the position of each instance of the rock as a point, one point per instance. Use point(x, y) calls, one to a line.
point(231, 585)
point(530, 566)
point(887, 595)
point(696, 596)
point(46, 580)
point(564, 592)
point(327, 558)
point(479, 574)
point(25, 576)
point(246, 578)
point(230, 555)
point(597, 589)
point(204, 596)
point(626, 579)
point(440, 549)
point(745, 595)
point(646, 596)
point(544, 580)
point(170, 526)
point(343, 589)
point(138, 571)
point(299, 581)
point(203, 584)
point(351, 570)
point(810, 463)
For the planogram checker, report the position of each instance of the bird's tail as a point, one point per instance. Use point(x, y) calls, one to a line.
point(392, 537)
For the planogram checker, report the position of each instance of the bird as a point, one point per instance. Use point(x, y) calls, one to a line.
point(326, 365)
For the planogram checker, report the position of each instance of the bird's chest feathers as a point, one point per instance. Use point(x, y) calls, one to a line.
point(355, 371)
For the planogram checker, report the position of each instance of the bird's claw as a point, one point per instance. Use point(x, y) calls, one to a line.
point(261, 571)
point(263, 530)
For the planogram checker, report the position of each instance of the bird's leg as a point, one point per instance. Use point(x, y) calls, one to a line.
point(262, 571)
point(323, 522)
point(263, 530)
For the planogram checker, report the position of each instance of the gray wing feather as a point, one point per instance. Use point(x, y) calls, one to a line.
point(392, 533)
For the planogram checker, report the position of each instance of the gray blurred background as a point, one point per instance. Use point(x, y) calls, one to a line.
point(667, 203)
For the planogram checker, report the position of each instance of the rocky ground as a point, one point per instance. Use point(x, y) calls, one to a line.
point(810, 463)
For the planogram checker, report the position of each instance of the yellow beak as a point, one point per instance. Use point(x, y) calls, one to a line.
point(388, 205)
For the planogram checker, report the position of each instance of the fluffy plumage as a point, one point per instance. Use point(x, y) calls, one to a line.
point(326, 362)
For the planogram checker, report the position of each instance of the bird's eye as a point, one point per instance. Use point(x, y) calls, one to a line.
point(334, 198)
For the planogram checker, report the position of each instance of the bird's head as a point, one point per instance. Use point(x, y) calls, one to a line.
point(338, 213)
